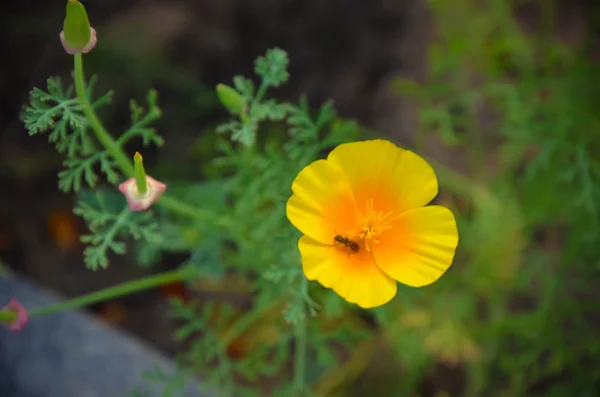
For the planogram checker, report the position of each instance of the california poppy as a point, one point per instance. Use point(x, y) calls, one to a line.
point(365, 225)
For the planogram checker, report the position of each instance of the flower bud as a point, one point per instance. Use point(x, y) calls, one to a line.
point(77, 35)
point(231, 99)
point(14, 315)
point(139, 173)
point(142, 190)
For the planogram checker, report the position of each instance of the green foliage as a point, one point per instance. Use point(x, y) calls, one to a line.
point(82, 169)
point(512, 311)
point(107, 226)
point(243, 232)
point(59, 113)
point(171, 384)
point(254, 177)
point(513, 316)
point(141, 120)
point(272, 69)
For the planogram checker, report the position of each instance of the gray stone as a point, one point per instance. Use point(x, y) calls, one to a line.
point(71, 354)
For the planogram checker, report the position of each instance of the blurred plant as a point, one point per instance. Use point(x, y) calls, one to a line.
point(523, 297)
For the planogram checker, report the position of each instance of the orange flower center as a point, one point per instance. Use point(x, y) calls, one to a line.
point(371, 225)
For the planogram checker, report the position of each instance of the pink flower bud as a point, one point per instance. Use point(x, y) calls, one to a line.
point(77, 36)
point(89, 47)
point(21, 319)
point(141, 202)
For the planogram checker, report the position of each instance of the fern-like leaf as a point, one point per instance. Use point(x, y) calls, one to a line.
point(272, 67)
point(108, 228)
point(58, 112)
point(141, 118)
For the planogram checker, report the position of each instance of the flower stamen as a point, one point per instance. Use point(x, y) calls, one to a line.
point(372, 224)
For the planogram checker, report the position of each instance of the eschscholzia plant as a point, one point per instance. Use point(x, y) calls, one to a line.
point(365, 223)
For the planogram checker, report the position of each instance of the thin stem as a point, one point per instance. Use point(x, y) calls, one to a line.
point(123, 289)
point(224, 368)
point(122, 160)
point(455, 182)
point(300, 351)
point(260, 93)
point(357, 363)
point(101, 134)
point(200, 214)
point(247, 321)
point(262, 89)
point(351, 369)
point(450, 179)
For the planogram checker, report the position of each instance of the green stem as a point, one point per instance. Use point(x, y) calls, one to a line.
point(200, 214)
point(448, 178)
point(300, 351)
point(246, 322)
point(123, 289)
point(455, 182)
point(101, 134)
point(122, 160)
point(260, 93)
point(225, 386)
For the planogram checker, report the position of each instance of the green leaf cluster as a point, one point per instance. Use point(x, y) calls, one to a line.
point(513, 315)
point(58, 113)
point(108, 227)
point(272, 70)
point(249, 182)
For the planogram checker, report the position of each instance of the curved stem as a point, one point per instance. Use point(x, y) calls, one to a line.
point(123, 289)
point(123, 162)
point(101, 134)
point(300, 351)
point(246, 321)
point(456, 182)
point(358, 362)
point(448, 178)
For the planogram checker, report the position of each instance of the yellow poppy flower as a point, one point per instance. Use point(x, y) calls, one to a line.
point(365, 225)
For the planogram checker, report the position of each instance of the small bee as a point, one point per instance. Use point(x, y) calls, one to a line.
point(349, 244)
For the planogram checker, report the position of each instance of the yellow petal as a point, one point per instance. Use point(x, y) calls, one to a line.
point(353, 276)
point(420, 247)
point(322, 203)
point(378, 168)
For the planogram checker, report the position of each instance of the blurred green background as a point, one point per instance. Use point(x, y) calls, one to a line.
point(505, 93)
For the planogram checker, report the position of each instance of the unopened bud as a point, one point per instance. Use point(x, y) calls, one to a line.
point(142, 190)
point(77, 35)
point(139, 173)
point(14, 316)
point(231, 99)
